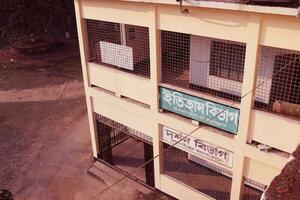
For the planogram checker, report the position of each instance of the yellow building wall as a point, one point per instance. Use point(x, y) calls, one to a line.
point(142, 114)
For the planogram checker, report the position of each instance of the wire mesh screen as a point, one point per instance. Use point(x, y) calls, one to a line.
point(121, 46)
point(204, 64)
point(252, 190)
point(123, 128)
point(197, 173)
point(109, 133)
point(279, 80)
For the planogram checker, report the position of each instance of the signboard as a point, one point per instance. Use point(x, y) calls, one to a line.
point(117, 55)
point(208, 112)
point(197, 147)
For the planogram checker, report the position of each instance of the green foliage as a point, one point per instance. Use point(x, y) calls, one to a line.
point(21, 18)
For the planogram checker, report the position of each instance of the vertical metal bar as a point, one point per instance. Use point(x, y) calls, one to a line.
point(123, 34)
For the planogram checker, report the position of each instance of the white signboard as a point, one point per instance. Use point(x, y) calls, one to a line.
point(117, 55)
point(198, 147)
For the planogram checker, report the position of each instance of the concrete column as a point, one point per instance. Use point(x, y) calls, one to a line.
point(82, 37)
point(154, 40)
point(249, 83)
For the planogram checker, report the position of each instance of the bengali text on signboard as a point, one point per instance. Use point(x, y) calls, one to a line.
point(208, 112)
point(197, 147)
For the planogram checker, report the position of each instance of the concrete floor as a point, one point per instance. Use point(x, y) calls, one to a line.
point(128, 156)
point(45, 149)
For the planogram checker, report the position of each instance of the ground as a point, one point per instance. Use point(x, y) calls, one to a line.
point(44, 136)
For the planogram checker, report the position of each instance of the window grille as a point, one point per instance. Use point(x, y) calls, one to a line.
point(252, 190)
point(114, 136)
point(198, 174)
point(227, 65)
point(204, 64)
point(279, 80)
point(123, 128)
point(121, 46)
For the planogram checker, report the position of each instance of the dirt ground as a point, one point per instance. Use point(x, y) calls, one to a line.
point(45, 149)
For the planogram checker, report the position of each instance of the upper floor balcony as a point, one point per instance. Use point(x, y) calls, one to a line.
point(216, 67)
point(119, 46)
point(208, 68)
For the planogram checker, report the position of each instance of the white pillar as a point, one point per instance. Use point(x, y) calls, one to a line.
point(154, 41)
point(249, 83)
point(82, 37)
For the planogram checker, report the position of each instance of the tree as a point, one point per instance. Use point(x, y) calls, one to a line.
point(29, 18)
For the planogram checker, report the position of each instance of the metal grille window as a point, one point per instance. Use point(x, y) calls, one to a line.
point(279, 80)
point(114, 136)
point(252, 190)
point(225, 64)
point(204, 64)
point(197, 173)
point(123, 128)
point(121, 46)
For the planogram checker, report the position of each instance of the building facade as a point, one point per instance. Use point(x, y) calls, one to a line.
point(205, 90)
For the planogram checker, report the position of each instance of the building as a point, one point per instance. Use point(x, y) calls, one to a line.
point(221, 80)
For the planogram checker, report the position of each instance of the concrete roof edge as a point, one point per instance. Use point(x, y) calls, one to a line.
point(228, 6)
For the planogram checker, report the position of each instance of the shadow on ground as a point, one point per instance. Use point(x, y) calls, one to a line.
point(45, 144)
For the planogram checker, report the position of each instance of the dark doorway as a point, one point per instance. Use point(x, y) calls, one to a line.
point(149, 167)
point(128, 156)
point(126, 152)
point(107, 139)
